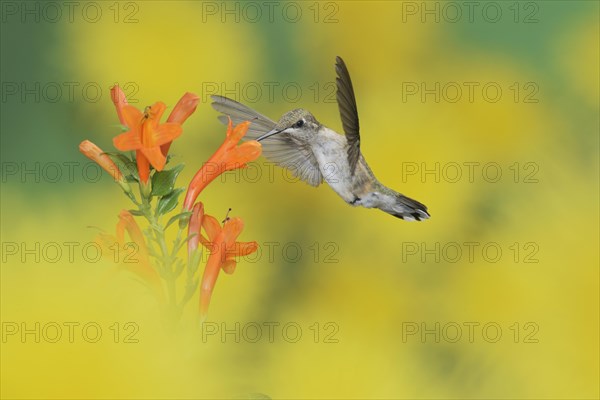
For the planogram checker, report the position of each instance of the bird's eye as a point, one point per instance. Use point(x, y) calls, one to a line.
point(299, 123)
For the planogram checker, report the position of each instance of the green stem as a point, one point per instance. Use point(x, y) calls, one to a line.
point(176, 242)
point(165, 258)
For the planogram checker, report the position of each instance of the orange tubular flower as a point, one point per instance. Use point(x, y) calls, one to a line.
point(142, 268)
point(224, 249)
point(95, 153)
point(194, 228)
point(139, 262)
point(227, 157)
point(182, 110)
point(146, 136)
point(119, 100)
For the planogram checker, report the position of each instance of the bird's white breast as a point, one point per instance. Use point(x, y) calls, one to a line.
point(330, 150)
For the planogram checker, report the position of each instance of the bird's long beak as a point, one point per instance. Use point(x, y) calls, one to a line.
point(270, 133)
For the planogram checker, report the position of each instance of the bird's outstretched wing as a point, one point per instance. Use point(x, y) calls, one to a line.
point(348, 112)
point(280, 148)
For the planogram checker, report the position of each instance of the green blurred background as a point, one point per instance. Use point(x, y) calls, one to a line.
point(366, 279)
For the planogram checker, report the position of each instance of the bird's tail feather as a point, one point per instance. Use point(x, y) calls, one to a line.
point(407, 209)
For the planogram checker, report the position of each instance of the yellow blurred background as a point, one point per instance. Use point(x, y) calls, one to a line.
point(341, 302)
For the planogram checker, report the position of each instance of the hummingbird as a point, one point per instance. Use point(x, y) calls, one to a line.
point(315, 153)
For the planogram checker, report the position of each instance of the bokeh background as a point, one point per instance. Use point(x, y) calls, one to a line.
point(366, 280)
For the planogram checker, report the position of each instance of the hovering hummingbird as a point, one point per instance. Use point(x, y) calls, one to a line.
point(313, 152)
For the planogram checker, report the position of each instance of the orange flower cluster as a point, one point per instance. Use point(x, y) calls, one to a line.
point(151, 140)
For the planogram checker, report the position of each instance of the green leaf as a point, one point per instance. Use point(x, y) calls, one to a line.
point(127, 167)
point(117, 157)
point(184, 241)
point(168, 202)
point(185, 214)
point(136, 212)
point(164, 181)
